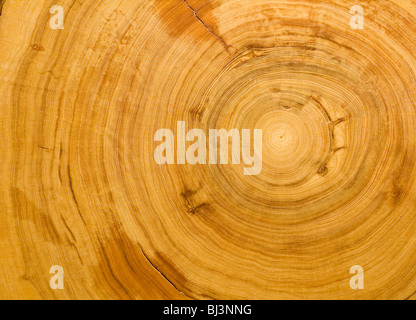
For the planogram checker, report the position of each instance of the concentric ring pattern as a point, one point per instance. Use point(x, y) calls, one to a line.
point(337, 108)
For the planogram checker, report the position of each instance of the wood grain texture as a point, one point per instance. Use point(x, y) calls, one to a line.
point(80, 187)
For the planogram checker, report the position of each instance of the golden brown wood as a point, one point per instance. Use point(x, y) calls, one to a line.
point(80, 187)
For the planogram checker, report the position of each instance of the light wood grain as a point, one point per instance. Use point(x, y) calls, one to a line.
point(80, 187)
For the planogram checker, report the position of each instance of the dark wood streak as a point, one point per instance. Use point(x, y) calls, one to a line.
point(207, 27)
point(1, 6)
point(408, 298)
point(157, 269)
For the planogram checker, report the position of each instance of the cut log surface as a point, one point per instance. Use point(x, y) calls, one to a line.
point(80, 187)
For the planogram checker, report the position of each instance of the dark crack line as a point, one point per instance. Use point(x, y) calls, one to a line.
point(323, 169)
point(207, 27)
point(408, 298)
point(73, 195)
point(332, 124)
point(157, 269)
point(1, 6)
point(67, 227)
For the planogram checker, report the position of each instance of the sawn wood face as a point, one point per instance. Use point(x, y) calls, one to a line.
point(80, 187)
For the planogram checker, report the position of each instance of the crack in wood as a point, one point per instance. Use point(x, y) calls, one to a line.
point(157, 269)
point(207, 27)
point(1, 6)
point(323, 170)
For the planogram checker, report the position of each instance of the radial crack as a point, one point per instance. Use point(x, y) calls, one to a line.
point(323, 170)
point(157, 269)
point(207, 27)
point(1, 6)
point(409, 297)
